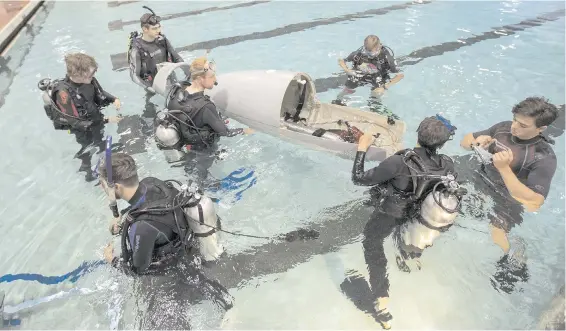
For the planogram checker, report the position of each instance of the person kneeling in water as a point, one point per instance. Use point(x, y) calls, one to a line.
point(192, 121)
point(399, 183)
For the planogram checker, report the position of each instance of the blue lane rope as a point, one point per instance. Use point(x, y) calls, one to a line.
point(72, 276)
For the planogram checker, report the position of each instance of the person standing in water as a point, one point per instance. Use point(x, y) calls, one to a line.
point(194, 121)
point(149, 50)
point(74, 103)
point(399, 184)
point(518, 176)
point(372, 64)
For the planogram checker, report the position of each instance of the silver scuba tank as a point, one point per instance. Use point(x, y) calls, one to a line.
point(203, 225)
point(166, 133)
point(417, 234)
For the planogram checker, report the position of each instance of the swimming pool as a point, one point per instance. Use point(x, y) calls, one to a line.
point(53, 220)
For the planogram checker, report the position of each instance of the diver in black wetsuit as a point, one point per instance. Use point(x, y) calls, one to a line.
point(517, 173)
point(372, 65)
point(192, 122)
point(157, 242)
point(74, 104)
point(149, 50)
point(399, 187)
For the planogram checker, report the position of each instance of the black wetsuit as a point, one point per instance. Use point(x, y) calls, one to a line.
point(384, 63)
point(94, 134)
point(391, 212)
point(204, 115)
point(395, 172)
point(170, 287)
point(158, 51)
point(146, 234)
point(534, 164)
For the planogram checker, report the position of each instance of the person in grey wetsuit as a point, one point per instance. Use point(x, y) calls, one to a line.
point(148, 50)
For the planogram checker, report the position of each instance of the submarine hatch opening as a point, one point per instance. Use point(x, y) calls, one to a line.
point(300, 112)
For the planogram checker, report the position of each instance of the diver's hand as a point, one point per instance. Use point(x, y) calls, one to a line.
point(379, 91)
point(365, 141)
point(109, 252)
point(150, 89)
point(483, 141)
point(248, 131)
point(115, 226)
point(502, 159)
point(113, 119)
point(352, 73)
point(117, 104)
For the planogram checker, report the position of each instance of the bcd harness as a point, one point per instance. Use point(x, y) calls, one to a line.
point(174, 202)
point(380, 62)
point(148, 65)
point(81, 118)
point(174, 102)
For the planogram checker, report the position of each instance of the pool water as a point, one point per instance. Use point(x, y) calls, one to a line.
point(53, 220)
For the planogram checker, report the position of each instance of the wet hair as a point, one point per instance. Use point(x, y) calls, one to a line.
point(124, 170)
point(197, 67)
point(539, 108)
point(432, 134)
point(80, 65)
point(371, 41)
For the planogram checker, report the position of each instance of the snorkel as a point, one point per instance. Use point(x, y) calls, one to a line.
point(111, 186)
point(153, 19)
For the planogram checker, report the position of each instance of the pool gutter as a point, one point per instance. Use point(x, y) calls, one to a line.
point(17, 23)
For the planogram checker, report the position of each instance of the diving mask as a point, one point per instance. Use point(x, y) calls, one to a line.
point(447, 124)
point(152, 19)
point(371, 54)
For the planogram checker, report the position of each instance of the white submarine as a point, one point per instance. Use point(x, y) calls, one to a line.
point(283, 104)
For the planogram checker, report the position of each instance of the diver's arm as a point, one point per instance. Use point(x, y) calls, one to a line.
point(349, 58)
point(467, 141)
point(174, 55)
point(394, 80)
point(483, 137)
point(385, 171)
point(210, 116)
point(533, 194)
point(108, 96)
point(520, 192)
point(135, 69)
point(144, 236)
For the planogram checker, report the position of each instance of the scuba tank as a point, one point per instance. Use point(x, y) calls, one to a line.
point(46, 85)
point(203, 222)
point(166, 133)
point(436, 214)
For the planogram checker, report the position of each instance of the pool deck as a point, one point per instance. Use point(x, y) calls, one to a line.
point(13, 17)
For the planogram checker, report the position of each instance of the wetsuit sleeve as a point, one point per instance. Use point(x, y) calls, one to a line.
point(350, 57)
point(142, 240)
point(108, 96)
point(174, 55)
point(385, 171)
point(136, 67)
point(489, 132)
point(211, 117)
point(391, 61)
point(540, 177)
